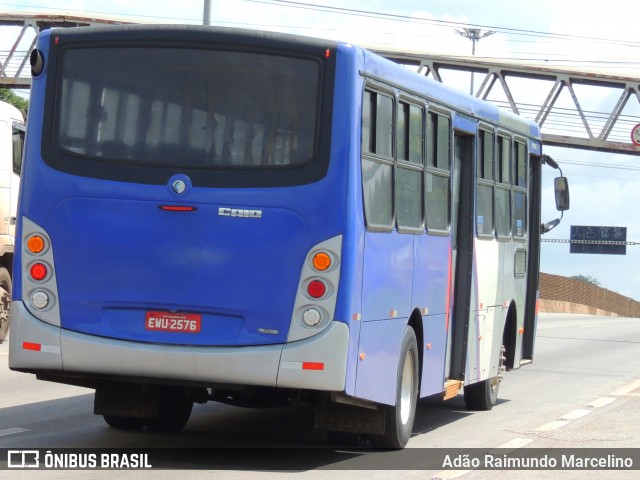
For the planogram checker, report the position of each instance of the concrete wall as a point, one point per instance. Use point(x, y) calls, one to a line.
point(567, 295)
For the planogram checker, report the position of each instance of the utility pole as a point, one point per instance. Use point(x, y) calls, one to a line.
point(206, 16)
point(474, 34)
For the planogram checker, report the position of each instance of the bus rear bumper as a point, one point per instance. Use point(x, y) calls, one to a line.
point(317, 363)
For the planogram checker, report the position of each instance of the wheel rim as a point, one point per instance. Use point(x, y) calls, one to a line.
point(406, 389)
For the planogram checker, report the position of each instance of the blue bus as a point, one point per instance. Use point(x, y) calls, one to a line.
point(256, 218)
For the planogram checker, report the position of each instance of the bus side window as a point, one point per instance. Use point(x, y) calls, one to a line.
point(520, 191)
point(410, 166)
point(437, 194)
point(503, 188)
point(484, 199)
point(377, 160)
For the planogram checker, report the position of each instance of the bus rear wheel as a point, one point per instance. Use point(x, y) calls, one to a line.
point(483, 395)
point(5, 302)
point(174, 410)
point(400, 417)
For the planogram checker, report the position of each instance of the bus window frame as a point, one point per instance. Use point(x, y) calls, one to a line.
point(502, 185)
point(515, 189)
point(483, 182)
point(442, 173)
point(379, 89)
point(407, 165)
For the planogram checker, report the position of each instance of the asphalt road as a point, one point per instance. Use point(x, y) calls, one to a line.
point(582, 391)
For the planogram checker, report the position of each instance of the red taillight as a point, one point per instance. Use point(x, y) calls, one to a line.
point(38, 271)
point(316, 288)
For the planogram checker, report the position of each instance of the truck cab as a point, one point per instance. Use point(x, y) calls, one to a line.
point(12, 132)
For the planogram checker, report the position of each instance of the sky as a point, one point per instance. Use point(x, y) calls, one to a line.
point(605, 188)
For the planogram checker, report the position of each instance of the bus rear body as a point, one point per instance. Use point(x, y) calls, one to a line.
point(213, 214)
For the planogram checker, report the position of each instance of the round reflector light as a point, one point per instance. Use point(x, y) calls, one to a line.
point(40, 299)
point(311, 317)
point(321, 261)
point(35, 244)
point(316, 288)
point(38, 271)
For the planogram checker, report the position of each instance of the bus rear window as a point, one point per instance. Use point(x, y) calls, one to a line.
point(188, 108)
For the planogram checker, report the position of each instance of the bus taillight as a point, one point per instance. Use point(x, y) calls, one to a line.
point(38, 271)
point(316, 288)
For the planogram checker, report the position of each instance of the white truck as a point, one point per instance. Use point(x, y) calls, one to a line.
point(12, 131)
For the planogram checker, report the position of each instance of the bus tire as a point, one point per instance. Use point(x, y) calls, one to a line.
point(400, 417)
point(482, 395)
point(124, 423)
point(5, 302)
point(174, 410)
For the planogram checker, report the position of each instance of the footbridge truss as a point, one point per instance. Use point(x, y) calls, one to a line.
point(575, 107)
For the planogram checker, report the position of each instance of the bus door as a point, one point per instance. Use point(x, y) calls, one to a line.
point(533, 260)
point(462, 255)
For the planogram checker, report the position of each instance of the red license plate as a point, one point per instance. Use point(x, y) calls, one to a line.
point(173, 322)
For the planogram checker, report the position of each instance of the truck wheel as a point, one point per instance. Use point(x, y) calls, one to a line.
point(5, 302)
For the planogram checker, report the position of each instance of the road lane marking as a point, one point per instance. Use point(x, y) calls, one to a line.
point(579, 413)
point(626, 390)
point(601, 402)
point(547, 427)
point(517, 443)
point(564, 420)
point(11, 431)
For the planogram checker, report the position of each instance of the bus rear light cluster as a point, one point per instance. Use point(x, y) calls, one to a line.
point(38, 276)
point(317, 291)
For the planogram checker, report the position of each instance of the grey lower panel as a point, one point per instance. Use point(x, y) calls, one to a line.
point(77, 353)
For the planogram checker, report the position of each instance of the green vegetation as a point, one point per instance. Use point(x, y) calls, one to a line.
point(7, 95)
point(587, 279)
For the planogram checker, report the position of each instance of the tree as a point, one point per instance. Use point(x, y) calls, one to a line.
point(587, 279)
point(7, 95)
